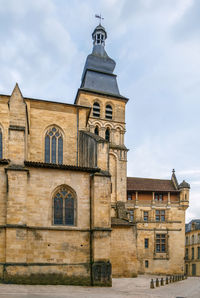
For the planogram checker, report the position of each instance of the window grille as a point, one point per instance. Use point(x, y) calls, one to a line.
point(146, 243)
point(53, 146)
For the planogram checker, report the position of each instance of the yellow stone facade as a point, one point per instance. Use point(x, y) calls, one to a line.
point(33, 248)
point(192, 248)
point(98, 232)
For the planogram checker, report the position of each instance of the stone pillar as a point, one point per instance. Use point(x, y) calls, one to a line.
point(112, 135)
point(101, 230)
point(92, 127)
point(168, 199)
point(153, 198)
point(16, 215)
point(17, 128)
point(102, 131)
point(136, 198)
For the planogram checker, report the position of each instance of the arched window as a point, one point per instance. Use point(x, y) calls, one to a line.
point(1, 145)
point(108, 112)
point(53, 146)
point(96, 130)
point(96, 109)
point(64, 207)
point(107, 134)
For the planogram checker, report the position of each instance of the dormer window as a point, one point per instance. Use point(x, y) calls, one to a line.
point(96, 110)
point(108, 112)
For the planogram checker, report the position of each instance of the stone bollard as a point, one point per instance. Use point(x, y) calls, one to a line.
point(157, 282)
point(166, 281)
point(152, 284)
point(162, 281)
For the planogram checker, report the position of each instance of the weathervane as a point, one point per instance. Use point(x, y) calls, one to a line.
point(98, 16)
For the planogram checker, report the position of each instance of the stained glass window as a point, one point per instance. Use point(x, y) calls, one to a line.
point(64, 207)
point(54, 146)
point(1, 145)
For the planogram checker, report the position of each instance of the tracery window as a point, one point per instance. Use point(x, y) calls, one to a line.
point(64, 207)
point(108, 112)
point(107, 134)
point(53, 146)
point(1, 145)
point(96, 109)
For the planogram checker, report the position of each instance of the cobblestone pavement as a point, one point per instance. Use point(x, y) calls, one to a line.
point(123, 287)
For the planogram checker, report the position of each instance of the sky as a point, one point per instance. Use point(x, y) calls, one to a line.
point(156, 46)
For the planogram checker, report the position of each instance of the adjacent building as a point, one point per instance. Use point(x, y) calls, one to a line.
point(192, 248)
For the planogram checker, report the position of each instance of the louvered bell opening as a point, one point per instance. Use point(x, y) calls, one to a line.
point(108, 112)
point(96, 110)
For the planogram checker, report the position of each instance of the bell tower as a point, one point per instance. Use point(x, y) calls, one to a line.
point(99, 90)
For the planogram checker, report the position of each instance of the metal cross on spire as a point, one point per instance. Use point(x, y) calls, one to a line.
point(98, 16)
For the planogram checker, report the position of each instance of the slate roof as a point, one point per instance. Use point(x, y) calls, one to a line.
point(34, 164)
point(147, 184)
point(188, 227)
point(120, 222)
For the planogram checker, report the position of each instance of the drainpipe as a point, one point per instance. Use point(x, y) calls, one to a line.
point(91, 231)
point(77, 115)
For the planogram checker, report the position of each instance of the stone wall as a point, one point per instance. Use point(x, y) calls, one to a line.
point(124, 251)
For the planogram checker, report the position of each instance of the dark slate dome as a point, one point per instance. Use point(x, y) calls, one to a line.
point(98, 70)
point(184, 184)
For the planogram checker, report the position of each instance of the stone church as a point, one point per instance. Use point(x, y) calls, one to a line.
point(68, 212)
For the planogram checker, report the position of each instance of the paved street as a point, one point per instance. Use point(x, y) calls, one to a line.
point(123, 287)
